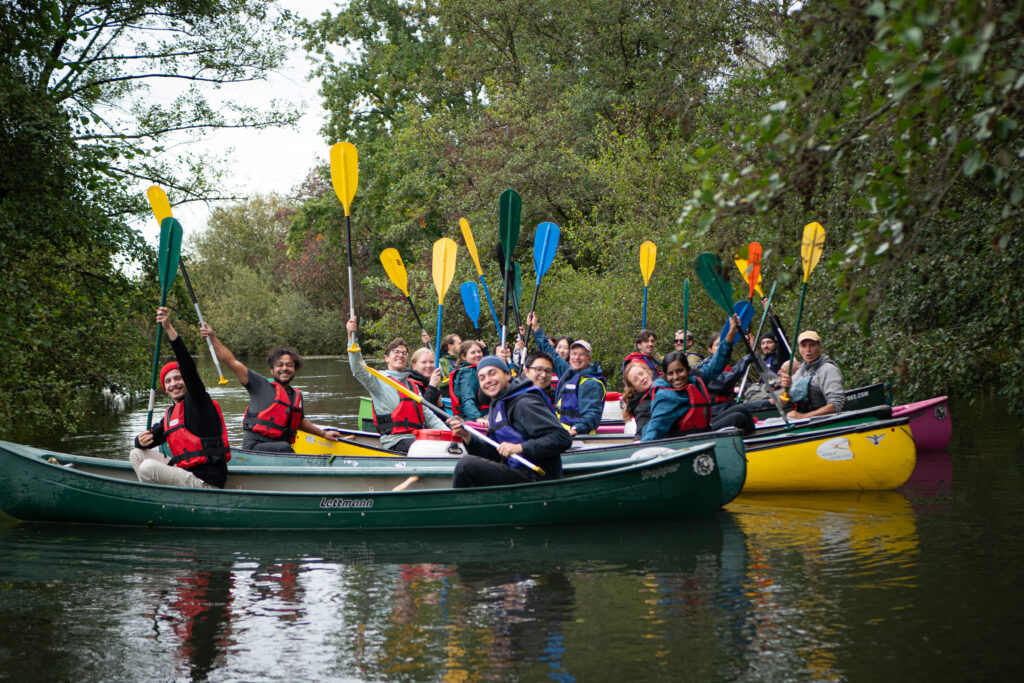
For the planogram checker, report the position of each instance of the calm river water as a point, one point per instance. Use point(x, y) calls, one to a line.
point(923, 584)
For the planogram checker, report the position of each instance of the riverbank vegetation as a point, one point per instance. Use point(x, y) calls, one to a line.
point(698, 125)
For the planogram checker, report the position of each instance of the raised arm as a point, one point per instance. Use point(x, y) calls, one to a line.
point(224, 355)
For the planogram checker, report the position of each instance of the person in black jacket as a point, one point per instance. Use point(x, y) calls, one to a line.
point(193, 427)
point(522, 421)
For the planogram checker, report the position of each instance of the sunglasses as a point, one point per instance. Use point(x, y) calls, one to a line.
point(680, 341)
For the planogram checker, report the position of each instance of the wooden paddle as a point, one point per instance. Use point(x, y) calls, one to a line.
point(510, 207)
point(161, 210)
point(404, 391)
point(467, 235)
point(167, 256)
point(545, 244)
point(811, 246)
point(345, 178)
point(712, 276)
point(393, 266)
point(444, 273)
point(648, 255)
point(471, 302)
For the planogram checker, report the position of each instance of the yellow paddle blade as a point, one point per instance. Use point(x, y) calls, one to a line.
point(467, 235)
point(648, 254)
point(395, 269)
point(392, 383)
point(811, 247)
point(158, 200)
point(444, 266)
point(345, 172)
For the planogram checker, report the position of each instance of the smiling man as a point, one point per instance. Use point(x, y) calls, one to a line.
point(645, 343)
point(816, 388)
point(275, 411)
point(193, 427)
point(579, 398)
point(522, 421)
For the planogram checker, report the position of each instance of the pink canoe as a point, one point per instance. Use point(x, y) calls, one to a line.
point(930, 423)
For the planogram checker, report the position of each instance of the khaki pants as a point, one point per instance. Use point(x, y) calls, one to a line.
point(152, 468)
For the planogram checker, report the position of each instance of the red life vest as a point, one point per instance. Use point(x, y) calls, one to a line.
point(407, 415)
point(280, 420)
point(698, 417)
point(189, 450)
point(456, 403)
point(724, 398)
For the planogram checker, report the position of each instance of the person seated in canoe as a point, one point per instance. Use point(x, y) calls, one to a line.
point(723, 387)
point(562, 346)
point(522, 421)
point(645, 342)
point(579, 398)
point(463, 385)
point(193, 427)
point(540, 369)
point(772, 354)
point(636, 397)
point(816, 388)
point(425, 375)
point(683, 341)
point(275, 412)
point(396, 417)
point(680, 401)
point(449, 354)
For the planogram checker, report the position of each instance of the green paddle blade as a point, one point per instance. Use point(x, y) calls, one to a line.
point(510, 208)
point(712, 276)
point(169, 254)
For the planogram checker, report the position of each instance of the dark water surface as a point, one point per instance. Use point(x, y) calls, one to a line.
point(923, 584)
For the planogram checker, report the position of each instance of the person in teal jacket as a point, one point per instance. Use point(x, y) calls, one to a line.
point(673, 408)
point(579, 398)
point(464, 385)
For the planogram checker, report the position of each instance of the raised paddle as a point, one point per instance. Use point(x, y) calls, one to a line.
point(648, 254)
point(510, 208)
point(444, 273)
point(712, 276)
point(345, 178)
point(545, 244)
point(811, 246)
point(404, 391)
point(471, 302)
point(161, 210)
point(517, 282)
point(467, 235)
point(167, 257)
point(744, 267)
point(760, 327)
point(393, 266)
point(754, 267)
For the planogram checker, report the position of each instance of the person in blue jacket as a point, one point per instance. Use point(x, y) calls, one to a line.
point(579, 398)
point(681, 402)
point(522, 421)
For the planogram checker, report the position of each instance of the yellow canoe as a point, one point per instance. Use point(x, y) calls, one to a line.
point(875, 456)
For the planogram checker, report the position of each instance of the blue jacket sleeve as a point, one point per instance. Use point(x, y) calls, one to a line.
point(708, 371)
point(666, 408)
point(561, 365)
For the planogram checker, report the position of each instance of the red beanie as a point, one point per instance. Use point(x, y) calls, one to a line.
point(173, 365)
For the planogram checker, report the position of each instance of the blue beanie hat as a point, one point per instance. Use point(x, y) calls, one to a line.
point(492, 362)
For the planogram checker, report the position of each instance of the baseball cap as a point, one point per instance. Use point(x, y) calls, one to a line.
point(808, 334)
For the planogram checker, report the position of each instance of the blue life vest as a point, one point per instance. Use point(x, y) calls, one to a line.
point(567, 401)
point(499, 428)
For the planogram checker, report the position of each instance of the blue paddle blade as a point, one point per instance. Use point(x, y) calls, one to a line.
point(746, 313)
point(471, 301)
point(545, 244)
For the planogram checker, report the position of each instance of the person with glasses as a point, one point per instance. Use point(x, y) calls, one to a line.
point(645, 342)
point(540, 369)
point(684, 342)
point(395, 415)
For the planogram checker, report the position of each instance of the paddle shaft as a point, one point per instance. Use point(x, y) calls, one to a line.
point(417, 316)
point(760, 327)
point(796, 334)
point(351, 293)
point(437, 351)
point(763, 371)
point(199, 314)
point(643, 317)
point(490, 303)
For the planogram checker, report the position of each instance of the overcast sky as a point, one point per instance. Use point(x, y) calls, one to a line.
point(271, 160)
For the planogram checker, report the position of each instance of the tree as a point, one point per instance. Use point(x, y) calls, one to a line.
point(79, 137)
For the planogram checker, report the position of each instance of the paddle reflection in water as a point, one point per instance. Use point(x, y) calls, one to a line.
point(141, 604)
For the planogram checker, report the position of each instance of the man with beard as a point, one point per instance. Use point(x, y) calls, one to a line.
point(275, 412)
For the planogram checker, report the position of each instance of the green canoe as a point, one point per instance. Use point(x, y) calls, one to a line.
point(46, 486)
